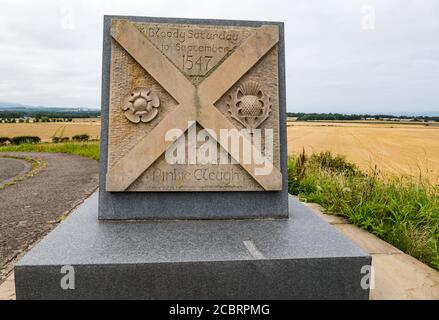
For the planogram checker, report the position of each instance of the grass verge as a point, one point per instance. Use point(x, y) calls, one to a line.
point(403, 211)
point(86, 149)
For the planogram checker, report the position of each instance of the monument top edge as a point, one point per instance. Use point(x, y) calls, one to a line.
point(246, 23)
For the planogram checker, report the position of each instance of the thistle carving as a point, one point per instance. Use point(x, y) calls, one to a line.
point(250, 106)
point(142, 105)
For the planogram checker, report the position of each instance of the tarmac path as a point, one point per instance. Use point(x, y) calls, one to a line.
point(31, 207)
point(10, 168)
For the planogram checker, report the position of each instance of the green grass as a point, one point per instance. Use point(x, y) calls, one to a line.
point(403, 211)
point(85, 149)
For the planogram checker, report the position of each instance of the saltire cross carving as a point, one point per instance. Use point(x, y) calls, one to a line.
point(195, 102)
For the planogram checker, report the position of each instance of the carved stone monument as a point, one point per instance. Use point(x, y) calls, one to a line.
point(194, 171)
point(205, 91)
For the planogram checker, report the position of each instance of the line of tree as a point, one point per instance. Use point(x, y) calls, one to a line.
point(19, 140)
point(35, 139)
point(301, 116)
point(27, 120)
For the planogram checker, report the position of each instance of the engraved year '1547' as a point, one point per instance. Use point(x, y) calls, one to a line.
point(200, 64)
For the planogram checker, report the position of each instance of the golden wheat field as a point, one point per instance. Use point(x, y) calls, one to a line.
point(393, 148)
point(47, 130)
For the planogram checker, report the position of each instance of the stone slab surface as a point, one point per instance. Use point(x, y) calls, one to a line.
point(198, 204)
point(7, 288)
point(298, 258)
point(366, 240)
point(397, 275)
point(329, 218)
point(402, 277)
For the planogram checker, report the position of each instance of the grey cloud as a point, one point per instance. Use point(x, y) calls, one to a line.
point(50, 51)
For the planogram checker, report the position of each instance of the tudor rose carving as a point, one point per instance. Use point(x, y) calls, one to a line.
point(141, 105)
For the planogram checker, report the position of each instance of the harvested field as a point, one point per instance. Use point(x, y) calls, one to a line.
point(46, 130)
point(394, 148)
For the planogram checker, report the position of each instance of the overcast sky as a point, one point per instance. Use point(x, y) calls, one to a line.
point(347, 56)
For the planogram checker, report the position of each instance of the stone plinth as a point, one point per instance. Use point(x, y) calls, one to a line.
point(298, 258)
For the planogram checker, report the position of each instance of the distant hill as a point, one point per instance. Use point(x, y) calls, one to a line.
point(11, 110)
point(302, 116)
point(27, 108)
point(418, 114)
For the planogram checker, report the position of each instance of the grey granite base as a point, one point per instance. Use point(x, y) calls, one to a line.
point(298, 258)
